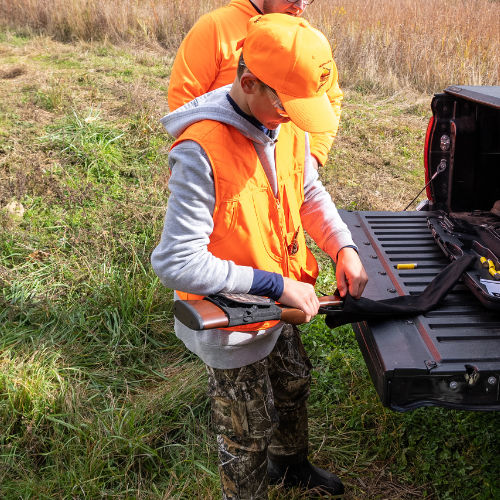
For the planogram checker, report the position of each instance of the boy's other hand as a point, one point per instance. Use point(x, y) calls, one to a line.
point(350, 273)
point(301, 296)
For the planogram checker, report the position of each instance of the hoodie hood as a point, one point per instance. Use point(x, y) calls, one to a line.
point(214, 106)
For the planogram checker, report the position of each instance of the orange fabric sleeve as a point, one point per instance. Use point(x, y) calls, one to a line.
point(196, 64)
point(322, 143)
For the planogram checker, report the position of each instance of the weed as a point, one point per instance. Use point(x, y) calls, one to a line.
point(49, 99)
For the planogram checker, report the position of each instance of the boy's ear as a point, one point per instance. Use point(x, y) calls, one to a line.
point(249, 83)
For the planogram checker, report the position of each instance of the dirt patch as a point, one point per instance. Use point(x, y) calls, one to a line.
point(31, 175)
point(137, 98)
point(12, 72)
point(381, 485)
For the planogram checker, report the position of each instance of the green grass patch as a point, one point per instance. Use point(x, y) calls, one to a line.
point(59, 61)
point(90, 145)
point(16, 38)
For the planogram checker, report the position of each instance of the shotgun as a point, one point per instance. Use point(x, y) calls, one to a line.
point(229, 309)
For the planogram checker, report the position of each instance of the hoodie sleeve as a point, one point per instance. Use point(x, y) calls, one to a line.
point(319, 214)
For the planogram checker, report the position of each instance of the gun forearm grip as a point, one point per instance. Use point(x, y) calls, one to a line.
point(293, 316)
point(298, 317)
point(200, 314)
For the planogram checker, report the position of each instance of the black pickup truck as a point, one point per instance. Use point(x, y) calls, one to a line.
point(450, 356)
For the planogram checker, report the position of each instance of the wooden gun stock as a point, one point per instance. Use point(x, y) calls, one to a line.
point(210, 313)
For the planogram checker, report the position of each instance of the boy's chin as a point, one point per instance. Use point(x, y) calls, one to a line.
point(276, 124)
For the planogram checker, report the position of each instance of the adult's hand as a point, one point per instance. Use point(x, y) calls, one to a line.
point(301, 296)
point(350, 273)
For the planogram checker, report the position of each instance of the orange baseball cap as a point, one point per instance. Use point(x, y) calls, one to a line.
point(295, 59)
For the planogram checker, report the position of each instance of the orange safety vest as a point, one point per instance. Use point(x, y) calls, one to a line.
point(253, 227)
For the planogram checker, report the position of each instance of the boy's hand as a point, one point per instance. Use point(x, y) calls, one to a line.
point(301, 296)
point(350, 273)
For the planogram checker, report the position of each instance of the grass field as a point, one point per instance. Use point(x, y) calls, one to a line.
point(98, 399)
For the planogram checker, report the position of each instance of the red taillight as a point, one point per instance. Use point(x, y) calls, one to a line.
point(427, 159)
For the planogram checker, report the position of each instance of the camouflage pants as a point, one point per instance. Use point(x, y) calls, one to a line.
point(260, 410)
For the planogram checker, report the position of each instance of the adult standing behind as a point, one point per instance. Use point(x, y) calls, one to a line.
point(208, 57)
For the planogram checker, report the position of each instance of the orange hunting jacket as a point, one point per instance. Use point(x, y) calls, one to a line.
point(207, 59)
point(253, 227)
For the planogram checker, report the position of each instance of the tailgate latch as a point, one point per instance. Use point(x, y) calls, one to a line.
point(471, 374)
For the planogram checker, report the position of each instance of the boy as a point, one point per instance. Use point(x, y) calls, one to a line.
point(242, 193)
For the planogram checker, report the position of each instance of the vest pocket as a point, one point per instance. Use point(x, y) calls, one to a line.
point(224, 221)
point(268, 224)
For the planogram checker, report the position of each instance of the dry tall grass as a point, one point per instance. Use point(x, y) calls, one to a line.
point(160, 21)
point(426, 44)
point(383, 44)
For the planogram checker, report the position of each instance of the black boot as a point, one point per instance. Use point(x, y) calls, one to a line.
point(304, 475)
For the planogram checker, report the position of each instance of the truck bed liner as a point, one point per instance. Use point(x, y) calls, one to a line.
point(447, 357)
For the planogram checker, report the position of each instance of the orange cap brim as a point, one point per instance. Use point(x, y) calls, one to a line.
point(311, 114)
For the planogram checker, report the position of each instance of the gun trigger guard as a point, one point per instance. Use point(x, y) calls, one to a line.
point(245, 311)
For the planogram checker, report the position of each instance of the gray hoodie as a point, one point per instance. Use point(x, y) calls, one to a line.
point(182, 261)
